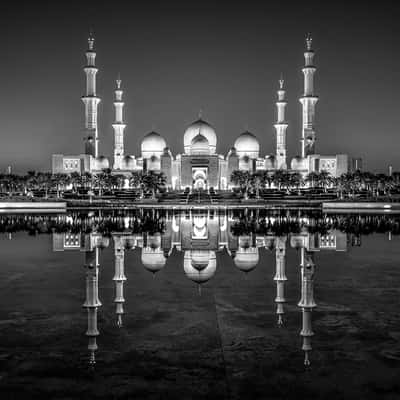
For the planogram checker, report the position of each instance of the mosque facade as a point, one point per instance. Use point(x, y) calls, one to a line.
point(200, 166)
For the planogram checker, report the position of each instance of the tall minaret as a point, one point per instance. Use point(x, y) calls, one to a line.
point(308, 102)
point(118, 127)
point(119, 277)
point(91, 102)
point(280, 128)
point(280, 277)
point(307, 302)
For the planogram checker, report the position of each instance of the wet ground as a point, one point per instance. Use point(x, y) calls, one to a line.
point(222, 343)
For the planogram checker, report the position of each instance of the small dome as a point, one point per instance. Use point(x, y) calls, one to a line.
point(246, 258)
point(128, 162)
point(153, 142)
point(270, 162)
point(202, 128)
point(247, 144)
point(102, 163)
point(298, 163)
point(152, 260)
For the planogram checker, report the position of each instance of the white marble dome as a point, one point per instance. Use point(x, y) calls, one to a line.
point(204, 129)
point(153, 260)
point(247, 145)
point(247, 257)
point(128, 162)
point(270, 162)
point(200, 145)
point(153, 143)
point(102, 163)
point(298, 163)
point(246, 260)
point(199, 265)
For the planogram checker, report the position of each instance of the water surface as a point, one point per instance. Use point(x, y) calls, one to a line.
point(233, 305)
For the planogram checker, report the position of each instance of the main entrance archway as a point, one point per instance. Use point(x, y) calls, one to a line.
point(199, 178)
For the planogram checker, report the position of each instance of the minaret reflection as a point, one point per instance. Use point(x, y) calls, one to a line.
point(119, 276)
point(280, 277)
point(92, 302)
point(307, 302)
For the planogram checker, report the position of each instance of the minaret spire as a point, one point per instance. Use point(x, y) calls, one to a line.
point(280, 127)
point(119, 277)
point(308, 101)
point(91, 101)
point(280, 277)
point(307, 302)
point(92, 302)
point(118, 126)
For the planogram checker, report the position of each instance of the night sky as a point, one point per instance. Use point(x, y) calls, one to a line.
point(179, 58)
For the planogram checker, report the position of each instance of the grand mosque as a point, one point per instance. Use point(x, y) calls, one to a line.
point(200, 166)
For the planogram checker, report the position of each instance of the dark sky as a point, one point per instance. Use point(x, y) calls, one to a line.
point(178, 58)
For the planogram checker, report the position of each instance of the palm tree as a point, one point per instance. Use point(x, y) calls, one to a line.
point(266, 179)
point(136, 178)
point(384, 183)
point(153, 182)
point(101, 180)
point(45, 182)
point(279, 178)
point(243, 180)
point(30, 182)
point(341, 185)
point(296, 180)
point(87, 180)
point(76, 181)
point(119, 180)
point(313, 179)
point(60, 181)
point(256, 181)
point(324, 179)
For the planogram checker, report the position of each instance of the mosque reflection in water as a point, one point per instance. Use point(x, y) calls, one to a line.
point(197, 235)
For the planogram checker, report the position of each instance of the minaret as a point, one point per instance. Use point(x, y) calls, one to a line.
point(308, 102)
point(280, 277)
point(307, 302)
point(91, 102)
point(92, 301)
point(119, 278)
point(280, 127)
point(118, 127)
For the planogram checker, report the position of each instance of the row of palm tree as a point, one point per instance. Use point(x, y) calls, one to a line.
point(46, 182)
point(347, 185)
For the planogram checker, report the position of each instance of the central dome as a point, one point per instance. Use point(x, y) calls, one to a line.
point(200, 145)
point(200, 128)
point(199, 265)
point(247, 145)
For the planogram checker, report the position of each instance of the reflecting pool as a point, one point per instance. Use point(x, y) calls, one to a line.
point(155, 304)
